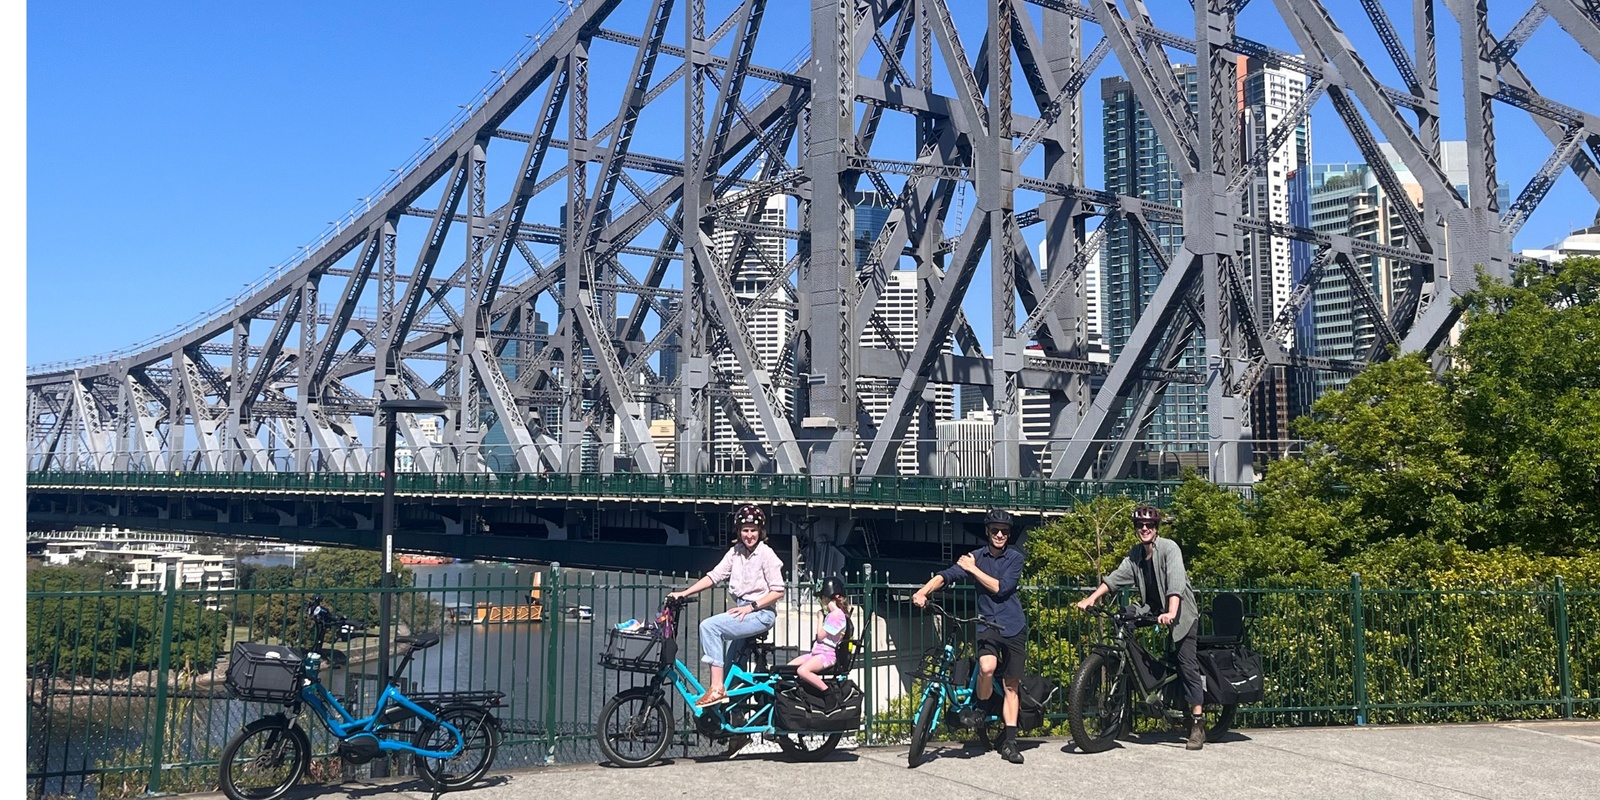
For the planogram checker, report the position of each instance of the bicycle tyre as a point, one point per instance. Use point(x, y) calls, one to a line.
point(808, 746)
point(1098, 698)
point(634, 716)
point(277, 733)
point(922, 727)
point(480, 741)
point(1224, 716)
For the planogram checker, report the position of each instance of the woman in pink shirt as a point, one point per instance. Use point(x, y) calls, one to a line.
point(755, 580)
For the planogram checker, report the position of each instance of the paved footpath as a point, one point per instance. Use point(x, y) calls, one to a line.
point(1524, 761)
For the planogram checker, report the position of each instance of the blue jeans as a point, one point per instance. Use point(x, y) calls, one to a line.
point(722, 635)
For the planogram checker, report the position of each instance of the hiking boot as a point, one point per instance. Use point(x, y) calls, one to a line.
point(1008, 751)
point(1197, 735)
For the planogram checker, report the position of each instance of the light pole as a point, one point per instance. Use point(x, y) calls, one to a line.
point(390, 408)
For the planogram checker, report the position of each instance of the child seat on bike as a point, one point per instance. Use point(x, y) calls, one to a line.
point(845, 655)
point(1227, 622)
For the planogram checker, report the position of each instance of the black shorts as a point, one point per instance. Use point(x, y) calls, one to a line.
point(1011, 650)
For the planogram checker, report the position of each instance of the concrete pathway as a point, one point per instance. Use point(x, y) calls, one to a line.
point(1517, 761)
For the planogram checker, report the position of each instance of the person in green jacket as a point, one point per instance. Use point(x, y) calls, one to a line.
point(1155, 567)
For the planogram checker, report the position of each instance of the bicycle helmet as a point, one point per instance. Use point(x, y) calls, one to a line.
point(749, 515)
point(830, 587)
point(1146, 514)
point(999, 516)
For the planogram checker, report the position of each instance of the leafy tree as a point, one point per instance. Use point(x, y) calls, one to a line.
point(72, 632)
point(1081, 545)
point(1528, 392)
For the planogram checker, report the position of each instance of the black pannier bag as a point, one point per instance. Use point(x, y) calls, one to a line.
point(1233, 675)
point(799, 708)
point(265, 673)
point(1033, 696)
point(637, 651)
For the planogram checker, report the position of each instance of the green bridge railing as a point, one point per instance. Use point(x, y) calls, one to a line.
point(1021, 495)
point(125, 692)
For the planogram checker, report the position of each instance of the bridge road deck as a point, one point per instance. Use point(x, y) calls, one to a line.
point(1524, 760)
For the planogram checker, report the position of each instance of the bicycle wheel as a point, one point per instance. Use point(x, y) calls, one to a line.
point(634, 729)
point(1222, 720)
point(1097, 705)
point(480, 740)
point(264, 760)
point(808, 746)
point(922, 726)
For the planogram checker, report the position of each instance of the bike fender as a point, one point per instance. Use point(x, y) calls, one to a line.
point(1106, 650)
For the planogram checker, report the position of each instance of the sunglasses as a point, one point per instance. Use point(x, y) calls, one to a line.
point(1143, 525)
point(1000, 531)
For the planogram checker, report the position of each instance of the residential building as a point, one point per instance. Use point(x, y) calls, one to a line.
point(1137, 165)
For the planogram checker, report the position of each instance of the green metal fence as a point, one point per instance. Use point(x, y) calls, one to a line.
point(126, 697)
point(1021, 495)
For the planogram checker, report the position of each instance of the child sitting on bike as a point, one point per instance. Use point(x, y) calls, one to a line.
point(825, 653)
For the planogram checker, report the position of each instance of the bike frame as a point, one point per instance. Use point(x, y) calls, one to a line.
point(762, 686)
point(1125, 648)
point(957, 698)
point(341, 723)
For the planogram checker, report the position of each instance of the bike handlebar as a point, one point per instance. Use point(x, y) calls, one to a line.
point(1124, 615)
point(940, 610)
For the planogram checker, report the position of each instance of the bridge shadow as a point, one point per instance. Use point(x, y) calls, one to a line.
point(1160, 739)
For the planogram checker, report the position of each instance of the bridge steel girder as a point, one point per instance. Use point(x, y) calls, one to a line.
point(293, 393)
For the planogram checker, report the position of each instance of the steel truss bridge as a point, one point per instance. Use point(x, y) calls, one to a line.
point(432, 291)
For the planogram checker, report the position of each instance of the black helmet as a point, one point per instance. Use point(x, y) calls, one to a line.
point(999, 516)
point(750, 515)
point(830, 587)
point(1147, 514)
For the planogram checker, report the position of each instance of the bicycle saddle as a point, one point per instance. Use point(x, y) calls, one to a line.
point(421, 641)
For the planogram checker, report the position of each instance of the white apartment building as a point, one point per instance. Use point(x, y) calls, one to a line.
point(771, 329)
point(1268, 94)
point(899, 306)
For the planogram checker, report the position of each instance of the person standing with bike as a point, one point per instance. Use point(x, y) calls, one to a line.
point(1155, 566)
point(755, 580)
point(1002, 640)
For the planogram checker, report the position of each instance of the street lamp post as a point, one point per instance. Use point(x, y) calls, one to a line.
point(385, 614)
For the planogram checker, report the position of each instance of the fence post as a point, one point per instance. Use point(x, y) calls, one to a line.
point(158, 743)
point(864, 640)
point(1358, 626)
point(552, 663)
point(1563, 645)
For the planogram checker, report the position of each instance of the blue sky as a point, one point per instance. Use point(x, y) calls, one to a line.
point(177, 151)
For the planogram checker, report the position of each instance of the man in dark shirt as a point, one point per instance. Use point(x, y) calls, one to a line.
point(1002, 636)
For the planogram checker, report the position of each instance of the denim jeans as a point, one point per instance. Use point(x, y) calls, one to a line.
point(722, 635)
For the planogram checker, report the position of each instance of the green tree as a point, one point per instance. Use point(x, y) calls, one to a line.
point(1528, 392)
point(1083, 544)
point(76, 631)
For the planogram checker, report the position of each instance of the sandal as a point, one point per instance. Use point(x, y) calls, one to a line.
point(712, 698)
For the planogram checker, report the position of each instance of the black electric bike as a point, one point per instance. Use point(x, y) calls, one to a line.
point(1120, 678)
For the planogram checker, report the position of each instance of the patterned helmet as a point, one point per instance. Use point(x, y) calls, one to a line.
point(749, 515)
point(1147, 514)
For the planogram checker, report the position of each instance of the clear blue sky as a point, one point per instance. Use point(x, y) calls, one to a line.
point(176, 151)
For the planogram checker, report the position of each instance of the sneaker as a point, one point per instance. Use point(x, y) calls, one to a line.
point(1197, 735)
point(1009, 752)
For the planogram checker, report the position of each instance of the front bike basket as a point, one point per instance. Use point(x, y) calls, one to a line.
point(637, 651)
point(265, 673)
point(933, 667)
